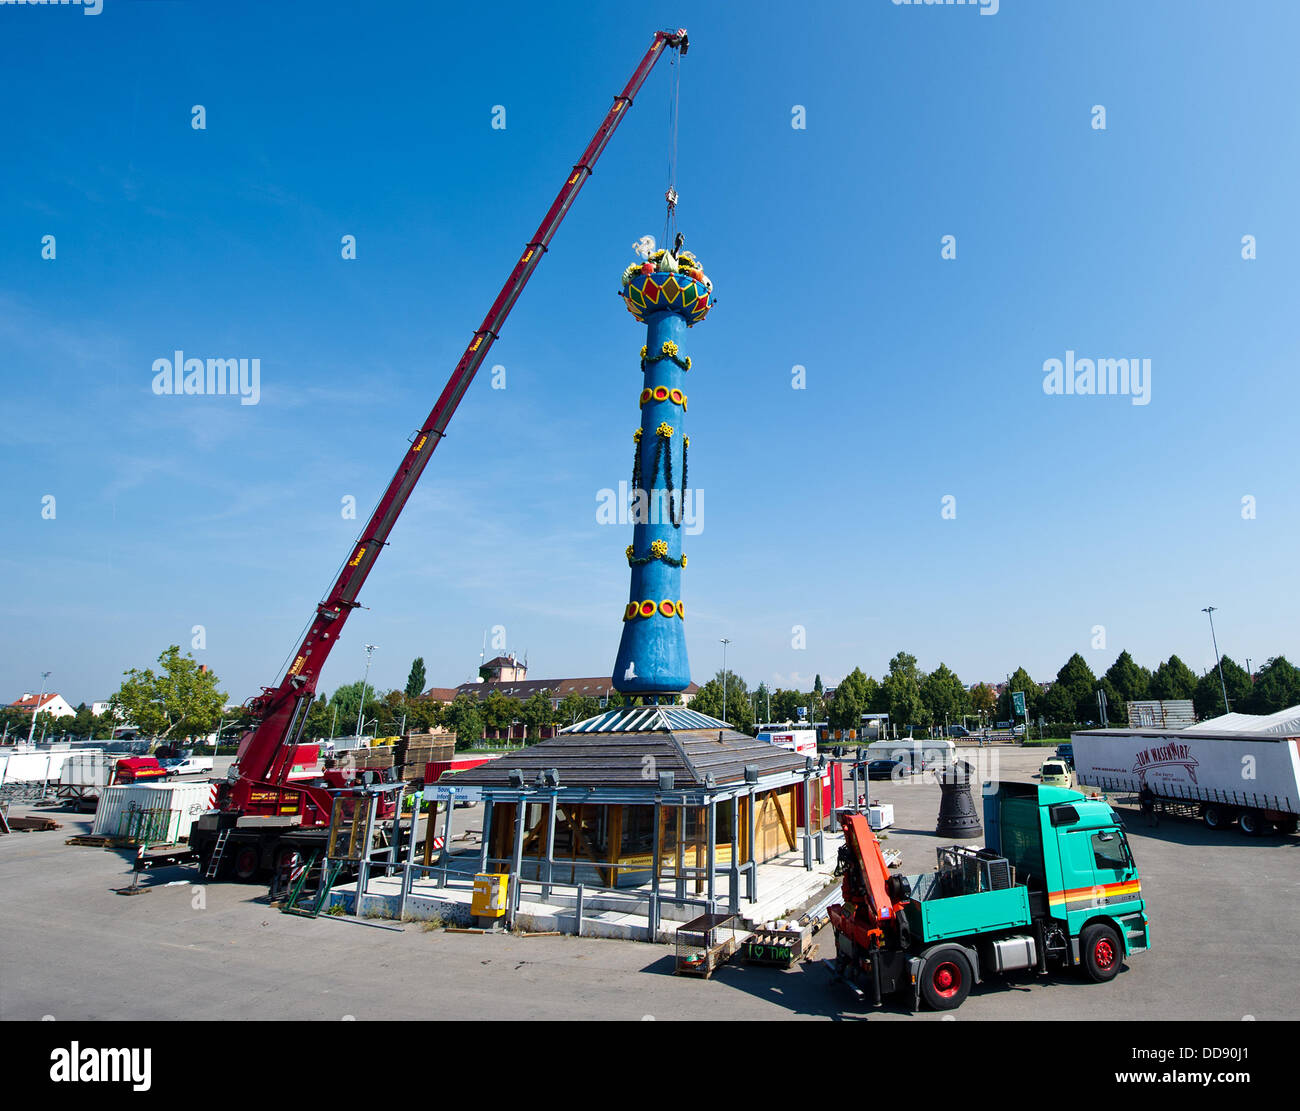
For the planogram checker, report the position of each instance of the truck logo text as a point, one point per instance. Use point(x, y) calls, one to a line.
point(1165, 756)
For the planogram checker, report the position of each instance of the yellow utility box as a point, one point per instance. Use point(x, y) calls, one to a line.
point(489, 896)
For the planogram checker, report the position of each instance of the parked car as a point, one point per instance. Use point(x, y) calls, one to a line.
point(884, 769)
point(190, 765)
point(958, 731)
point(1055, 773)
point(1066, 753)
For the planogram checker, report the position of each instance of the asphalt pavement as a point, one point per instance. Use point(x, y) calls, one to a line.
point(1222, 907)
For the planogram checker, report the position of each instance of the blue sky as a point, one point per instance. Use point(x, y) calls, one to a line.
point(822, 506)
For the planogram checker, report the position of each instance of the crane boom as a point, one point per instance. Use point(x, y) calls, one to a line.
point(266, 751)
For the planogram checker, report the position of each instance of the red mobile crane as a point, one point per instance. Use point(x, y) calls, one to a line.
point(258, 810)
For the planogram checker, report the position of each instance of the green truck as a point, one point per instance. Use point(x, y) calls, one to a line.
point(1054, 887)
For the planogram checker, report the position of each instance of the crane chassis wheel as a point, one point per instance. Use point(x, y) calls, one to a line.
point(247, 862)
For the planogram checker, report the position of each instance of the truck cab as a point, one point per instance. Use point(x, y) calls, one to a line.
point(1071, 853)
point(138, 769)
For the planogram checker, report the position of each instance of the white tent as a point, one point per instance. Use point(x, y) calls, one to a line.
point(1285, 722)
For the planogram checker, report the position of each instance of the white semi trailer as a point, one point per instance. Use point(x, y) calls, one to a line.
point(1221, 776)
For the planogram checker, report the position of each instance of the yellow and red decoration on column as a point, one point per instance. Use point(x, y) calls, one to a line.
point(663, 393)
point(648, 608)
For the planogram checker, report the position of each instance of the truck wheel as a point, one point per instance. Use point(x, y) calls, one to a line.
point(1215, 817)
point(1101, 951)
point(247, 863)
point(946, 979)
point(1253, 823)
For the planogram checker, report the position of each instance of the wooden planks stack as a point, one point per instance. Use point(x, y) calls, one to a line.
point(420, 749)
point(407, 757)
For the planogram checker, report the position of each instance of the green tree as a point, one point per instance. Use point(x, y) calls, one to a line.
point(426, 714)
point(1277, 687)
point(1208, 699)
point(786, 703)
point(1058, 705)
point(14, 722)
point(576, 707)
point(537, 713)
point(982, 698)
point(461, 716)
point(346, 700)
point(392, 718)
point(944, 696)
point(903, 691)
point(1173, 679)
point(762, 697)
point(319, 720)
point(850, 701)
point(1116, 714)
point(739, 708)
point(1076, 680)
point(1131, 681)
point(180, 701)
point(415, 680)
point(1021, 680)
point(85, 723)
point(499, 711)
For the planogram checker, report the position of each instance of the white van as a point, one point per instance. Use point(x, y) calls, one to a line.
point(918, 755)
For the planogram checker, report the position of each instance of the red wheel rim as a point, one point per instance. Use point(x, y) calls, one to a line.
point(246, 862)
point(946, 980)
point(1104, 953)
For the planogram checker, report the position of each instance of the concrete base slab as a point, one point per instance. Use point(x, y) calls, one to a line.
point(785, 888)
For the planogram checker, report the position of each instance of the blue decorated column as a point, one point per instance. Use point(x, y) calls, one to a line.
point(668, 293)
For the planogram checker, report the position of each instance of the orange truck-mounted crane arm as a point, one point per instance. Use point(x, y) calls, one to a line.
point(869, 907)
point(257, 785)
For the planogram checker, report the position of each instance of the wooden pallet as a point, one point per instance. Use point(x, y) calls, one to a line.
point(776, 947)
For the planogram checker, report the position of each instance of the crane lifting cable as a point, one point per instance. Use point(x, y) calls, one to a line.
point(674, 102)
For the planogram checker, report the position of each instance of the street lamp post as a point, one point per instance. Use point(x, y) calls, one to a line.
point(370, 649)
point(1218, 659)
point(725, 642)
point(37, 708)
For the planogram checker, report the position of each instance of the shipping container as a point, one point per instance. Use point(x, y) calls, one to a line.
point(152, 811)
point(84, 777)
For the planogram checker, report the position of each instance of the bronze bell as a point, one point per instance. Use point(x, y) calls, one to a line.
point(958, 816)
